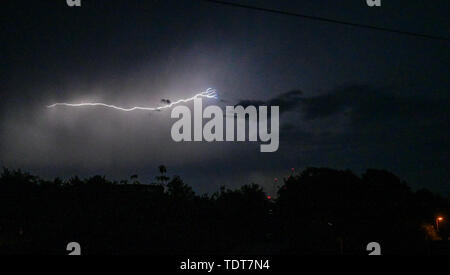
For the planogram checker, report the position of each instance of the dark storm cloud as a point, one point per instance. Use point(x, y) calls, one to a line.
point(360, 126)
point(286, 101)
point(366, 104)
point(363, 105)
point(367, 118)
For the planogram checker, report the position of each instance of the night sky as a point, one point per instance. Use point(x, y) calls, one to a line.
point(349, 98)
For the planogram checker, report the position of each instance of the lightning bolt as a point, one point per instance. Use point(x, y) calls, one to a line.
point(209, 93)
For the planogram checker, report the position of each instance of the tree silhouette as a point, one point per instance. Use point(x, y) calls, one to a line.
point(318, 211)
point(162, 178)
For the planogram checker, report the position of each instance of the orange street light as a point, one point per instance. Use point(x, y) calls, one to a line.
point(438, 222)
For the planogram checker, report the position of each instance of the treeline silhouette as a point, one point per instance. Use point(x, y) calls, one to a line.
point(319, 211)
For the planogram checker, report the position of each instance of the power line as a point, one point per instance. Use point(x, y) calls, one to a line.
point(327, 20)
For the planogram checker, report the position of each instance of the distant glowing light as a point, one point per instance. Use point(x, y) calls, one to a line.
point(441, 219)
point(209, 93)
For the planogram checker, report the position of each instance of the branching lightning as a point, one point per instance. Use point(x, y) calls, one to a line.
point(209, 93)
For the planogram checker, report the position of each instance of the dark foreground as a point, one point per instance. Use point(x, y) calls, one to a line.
point(318, 212)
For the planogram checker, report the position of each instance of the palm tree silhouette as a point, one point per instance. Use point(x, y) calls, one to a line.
point(163, 179)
